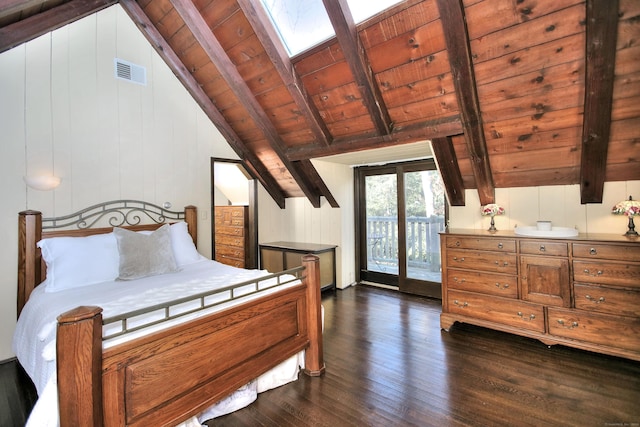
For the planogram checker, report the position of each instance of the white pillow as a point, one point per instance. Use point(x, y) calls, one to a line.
point(143, 255)
point(184, 250)
point(79, 261)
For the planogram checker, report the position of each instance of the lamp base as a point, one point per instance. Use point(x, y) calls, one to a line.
point(632, 228)
point(492, 225)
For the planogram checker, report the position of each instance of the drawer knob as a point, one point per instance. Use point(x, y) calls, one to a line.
point(564, 325)
point(598, 273)
point(531, 316)
point(463, 305)
point(505, 286)
point(455, 258)
point(455, 279)
point(592, 299)
point(500, 245)
point(542, 248)
point(593, 251)
point(457, 242)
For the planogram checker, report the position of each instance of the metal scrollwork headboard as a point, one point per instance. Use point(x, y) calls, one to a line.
point(116, 213)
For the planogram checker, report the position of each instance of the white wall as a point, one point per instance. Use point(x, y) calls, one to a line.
point(559, 204)
point(63, 112)
point(301, 222)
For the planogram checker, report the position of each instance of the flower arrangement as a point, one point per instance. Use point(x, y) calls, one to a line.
point(492, 209)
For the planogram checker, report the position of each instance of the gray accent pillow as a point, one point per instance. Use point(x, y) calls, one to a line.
point(143, 255)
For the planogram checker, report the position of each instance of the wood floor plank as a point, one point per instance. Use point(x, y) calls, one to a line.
point(389, 364)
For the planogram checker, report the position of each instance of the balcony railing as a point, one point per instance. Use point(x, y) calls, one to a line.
point(423, 242)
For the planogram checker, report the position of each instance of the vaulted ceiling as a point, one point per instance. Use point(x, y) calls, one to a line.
point(510, 92)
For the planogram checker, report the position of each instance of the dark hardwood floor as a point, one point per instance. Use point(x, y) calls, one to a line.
point(17, 394)
point(389, 364)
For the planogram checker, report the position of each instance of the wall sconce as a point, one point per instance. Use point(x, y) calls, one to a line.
point(629, 208)
point(492, 210)
point(42, 182)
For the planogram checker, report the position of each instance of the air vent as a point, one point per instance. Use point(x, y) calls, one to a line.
point(133, 73)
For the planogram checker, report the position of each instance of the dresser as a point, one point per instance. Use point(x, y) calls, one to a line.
point(582, 292)
point(278, 256)
point(231, 231)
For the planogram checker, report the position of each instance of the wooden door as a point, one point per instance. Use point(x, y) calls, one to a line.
point(545, 280)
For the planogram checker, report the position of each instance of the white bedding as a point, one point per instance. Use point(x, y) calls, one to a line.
point(34, 338)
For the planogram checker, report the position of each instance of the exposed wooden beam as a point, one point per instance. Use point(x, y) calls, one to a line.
point(275, 50)
point(8, 7)
point(44, 22)
point(165, 51)
point(438, 128)
point(459, 51)
point(203, 34)
point(356, 57)
point(448, 165)
point(314, 177)
point(602, 30)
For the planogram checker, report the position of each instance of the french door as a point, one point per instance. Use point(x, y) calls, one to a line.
point(400, 212)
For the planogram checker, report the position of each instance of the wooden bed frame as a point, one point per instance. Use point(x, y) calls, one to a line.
point(166, 377)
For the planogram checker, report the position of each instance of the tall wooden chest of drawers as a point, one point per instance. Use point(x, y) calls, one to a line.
point(582, 292)
point(231, 235)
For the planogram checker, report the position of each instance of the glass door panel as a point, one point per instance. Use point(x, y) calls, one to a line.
point(424, 217)
point(381, 203)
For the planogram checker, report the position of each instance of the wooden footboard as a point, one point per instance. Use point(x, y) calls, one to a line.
point(169, 376)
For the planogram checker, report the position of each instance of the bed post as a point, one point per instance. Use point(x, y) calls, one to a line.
point(191, 218)
point(79, 365)
point(314, 359)
point(29, 258)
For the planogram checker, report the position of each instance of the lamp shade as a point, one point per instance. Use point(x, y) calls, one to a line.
point(42, 182)
point(628, 207)
point(492, 209)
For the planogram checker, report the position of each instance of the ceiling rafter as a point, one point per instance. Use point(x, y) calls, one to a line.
point(203, 34)
point(459, 51)
point(449, 170)
point(165, 51)
point(448, 126)
point(275, 50)
point(312, 174)
point(41, 23)
point(601, 31)
point(355, 55)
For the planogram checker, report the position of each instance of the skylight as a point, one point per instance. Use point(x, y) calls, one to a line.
point(303, 24)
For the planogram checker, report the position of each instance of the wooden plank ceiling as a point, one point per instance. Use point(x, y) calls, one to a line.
point(510, 92)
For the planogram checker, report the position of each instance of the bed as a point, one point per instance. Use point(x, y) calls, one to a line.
point(117, 367)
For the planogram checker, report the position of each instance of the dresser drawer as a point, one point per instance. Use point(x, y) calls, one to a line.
point(486, 261)
point(630, 252)
point(224, 239)
point(499, 310)
point(481, 244)
point(239, 263)
point(229, 230)
point(485, 283)
point(229, 251)
point(614, 331)
point(607, 273)
point(541, 247)
point(605, 299)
